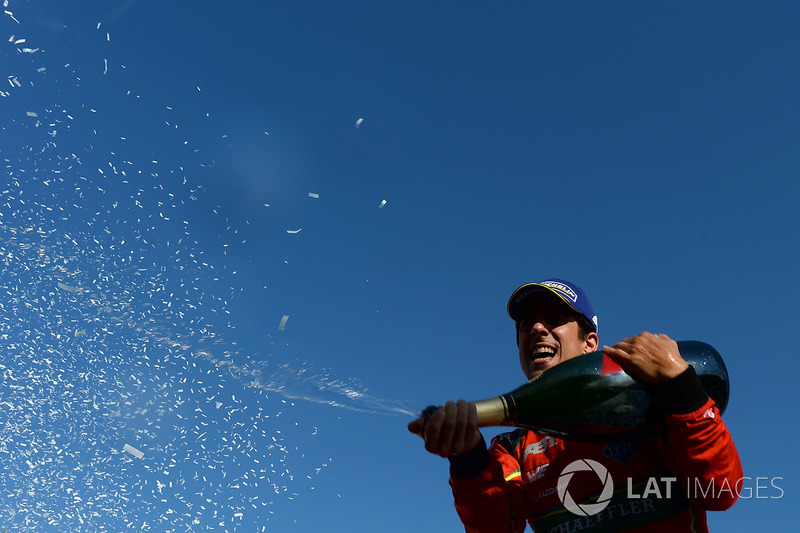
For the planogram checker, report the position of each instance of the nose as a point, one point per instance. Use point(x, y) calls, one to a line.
point(537, 327)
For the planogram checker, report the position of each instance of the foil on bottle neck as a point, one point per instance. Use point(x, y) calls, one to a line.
point(493, 411)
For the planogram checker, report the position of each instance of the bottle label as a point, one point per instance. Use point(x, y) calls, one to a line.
point(609, 366)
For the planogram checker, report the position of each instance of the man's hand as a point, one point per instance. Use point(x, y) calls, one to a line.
point(653, 359)
point(450, 430)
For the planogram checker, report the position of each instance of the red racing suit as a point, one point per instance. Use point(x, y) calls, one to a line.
point(657, 484)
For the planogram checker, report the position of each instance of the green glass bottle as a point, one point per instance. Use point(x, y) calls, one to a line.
point(591, 398)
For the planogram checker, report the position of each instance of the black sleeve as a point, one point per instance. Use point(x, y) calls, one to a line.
point(683, 393)
point(470, 464)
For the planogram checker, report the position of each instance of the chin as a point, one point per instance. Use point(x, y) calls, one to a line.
point(533, 375)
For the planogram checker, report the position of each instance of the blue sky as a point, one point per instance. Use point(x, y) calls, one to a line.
point(159, 159)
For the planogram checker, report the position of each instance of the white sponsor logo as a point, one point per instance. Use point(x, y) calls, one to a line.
point(537, 473)
point(560, 287)
point(539, 447)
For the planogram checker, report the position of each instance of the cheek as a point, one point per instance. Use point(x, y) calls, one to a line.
point(522, 337)
point(523, 357)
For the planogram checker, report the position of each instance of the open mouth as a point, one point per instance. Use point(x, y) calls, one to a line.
point(542, 355)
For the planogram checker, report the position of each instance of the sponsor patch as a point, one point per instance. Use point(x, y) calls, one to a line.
point(621, 452)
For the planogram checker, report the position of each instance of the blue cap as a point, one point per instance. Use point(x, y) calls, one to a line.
point(570, 293)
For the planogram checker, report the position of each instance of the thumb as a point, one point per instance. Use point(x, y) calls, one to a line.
point(417, 426)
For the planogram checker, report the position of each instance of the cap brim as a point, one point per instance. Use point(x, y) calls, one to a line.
point(523, 294)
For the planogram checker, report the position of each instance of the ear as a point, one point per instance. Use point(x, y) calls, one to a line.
point(592, 343)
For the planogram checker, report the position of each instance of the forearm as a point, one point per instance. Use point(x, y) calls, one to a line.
point(700, 447)
point(484, 500)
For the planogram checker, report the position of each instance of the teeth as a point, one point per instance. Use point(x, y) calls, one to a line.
point(542, 354)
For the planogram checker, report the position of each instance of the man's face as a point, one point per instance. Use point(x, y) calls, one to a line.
point(549, 335)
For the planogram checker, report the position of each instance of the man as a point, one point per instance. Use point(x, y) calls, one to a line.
point(663, 483)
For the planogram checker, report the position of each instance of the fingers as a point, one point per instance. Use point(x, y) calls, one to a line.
point(472, 437)
point(417, 426)
point(439, 432)
point(450, 430)
point(644, 338)
point(654, 358)
point(640, 344)
point(466, 426)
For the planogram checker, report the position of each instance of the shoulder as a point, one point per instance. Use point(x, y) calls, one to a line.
point(516, 441)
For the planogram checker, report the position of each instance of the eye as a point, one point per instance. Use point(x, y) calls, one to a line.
point(561, 319)
point(528, 323)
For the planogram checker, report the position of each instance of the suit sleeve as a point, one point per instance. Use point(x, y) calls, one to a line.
point(699, 448)
point(487, 489)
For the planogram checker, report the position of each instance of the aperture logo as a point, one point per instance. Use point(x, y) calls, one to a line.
point(586, 509)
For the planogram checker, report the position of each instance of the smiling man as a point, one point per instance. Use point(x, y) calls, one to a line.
point(524, 476)
point(555, 329)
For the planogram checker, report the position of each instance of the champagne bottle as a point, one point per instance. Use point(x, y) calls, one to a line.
point(591, 398)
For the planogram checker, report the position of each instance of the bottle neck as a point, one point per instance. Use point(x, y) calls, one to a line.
point(494, 411)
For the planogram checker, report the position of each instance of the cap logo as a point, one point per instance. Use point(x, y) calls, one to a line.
point(566, 290)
